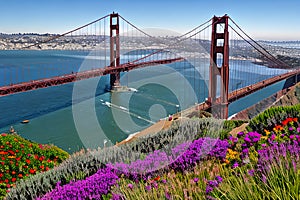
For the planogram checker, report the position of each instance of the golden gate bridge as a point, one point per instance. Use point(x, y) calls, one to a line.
point(218, 40)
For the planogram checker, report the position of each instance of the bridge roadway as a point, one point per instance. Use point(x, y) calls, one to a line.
point(242, 92)
point(68, 78)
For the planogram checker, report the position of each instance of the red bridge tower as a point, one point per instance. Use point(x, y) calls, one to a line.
point(219, 51)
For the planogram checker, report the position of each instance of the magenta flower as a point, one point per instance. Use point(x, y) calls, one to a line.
point(219, 179)
point(148, 187)
point(240, 134)
point(196, 180)
point(235, 165)
point(130, 186)
point(273, 137)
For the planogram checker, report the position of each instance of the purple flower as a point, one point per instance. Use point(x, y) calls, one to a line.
point(273, 137)
point(116, 196)
point(263, 145)
point(292, 137)
point(298, 129)
point(148, 187)
point(196, 180)
point(246, 139)
point(235, 165)
point(208, 189)
point(167, 195)
point(219, 179)
point(240, 134)
point(251, 172)
point(245, 151)
point(291, 128)
point(164, 181)
point(244, 145)
point(155, 185)
point(130, 186)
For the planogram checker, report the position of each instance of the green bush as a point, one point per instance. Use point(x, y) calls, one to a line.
point(273, 116)
point(21, 159)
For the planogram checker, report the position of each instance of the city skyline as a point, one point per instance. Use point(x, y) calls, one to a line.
point(267, 20)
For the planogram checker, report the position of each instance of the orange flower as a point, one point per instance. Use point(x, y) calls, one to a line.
point(278, 128)
point(295, 119)
point(27, 161)
point(13, 172)
point(286, 121)
point(13, 179)
point(20, 176)
point(11, 157)
point(31, 171)
point(157, 178)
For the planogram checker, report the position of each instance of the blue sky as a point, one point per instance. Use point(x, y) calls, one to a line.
point(262, 19)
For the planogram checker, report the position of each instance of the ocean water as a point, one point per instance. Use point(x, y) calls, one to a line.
point(84, 115)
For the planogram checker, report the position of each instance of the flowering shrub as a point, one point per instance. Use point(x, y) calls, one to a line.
point(246, 145)
point(195, 151)
point(92, 187)
point(272, 117)
point(20, 158)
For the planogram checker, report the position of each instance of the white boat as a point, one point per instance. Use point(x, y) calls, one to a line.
point(123, 108)
point(108, 104)
point(132, 89)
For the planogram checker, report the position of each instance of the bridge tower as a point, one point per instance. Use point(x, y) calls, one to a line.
point(114, 49)
point(219, 52)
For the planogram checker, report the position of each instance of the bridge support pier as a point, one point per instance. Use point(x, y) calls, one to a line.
point(219, 52)
point(114, 50)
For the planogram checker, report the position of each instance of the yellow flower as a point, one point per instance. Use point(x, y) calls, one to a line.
point(267, 132)
point(264, 137)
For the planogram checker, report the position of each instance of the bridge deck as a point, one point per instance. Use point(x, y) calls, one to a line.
point(68, 78)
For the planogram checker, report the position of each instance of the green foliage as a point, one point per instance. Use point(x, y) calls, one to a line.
point(282, 181)
point(180, 131)
point(21, 158)
point(272, 116)
point(228, 126)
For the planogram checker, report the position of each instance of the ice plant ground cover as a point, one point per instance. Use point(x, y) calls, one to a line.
point(261, 163)
point(20, 158)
